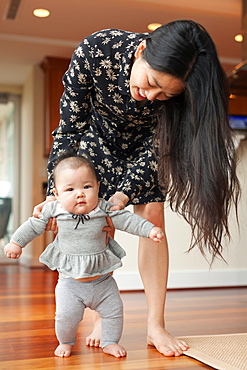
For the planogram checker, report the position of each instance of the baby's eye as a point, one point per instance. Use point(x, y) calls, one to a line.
point(70, 189)
point(87, 186)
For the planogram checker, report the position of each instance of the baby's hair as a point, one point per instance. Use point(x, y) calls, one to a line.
point(73, 161)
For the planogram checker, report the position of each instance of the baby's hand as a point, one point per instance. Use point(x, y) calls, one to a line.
point(13, 250)
point(156, 234)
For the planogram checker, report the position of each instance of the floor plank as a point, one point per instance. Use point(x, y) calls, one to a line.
point(27, 338)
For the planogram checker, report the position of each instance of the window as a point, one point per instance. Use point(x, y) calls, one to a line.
point(9, 167)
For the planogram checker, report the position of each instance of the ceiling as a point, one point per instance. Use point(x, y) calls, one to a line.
point(26, 40)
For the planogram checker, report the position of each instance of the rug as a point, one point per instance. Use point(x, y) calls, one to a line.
point(223, 352)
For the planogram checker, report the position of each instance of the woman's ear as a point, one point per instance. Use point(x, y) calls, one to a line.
point(55, 193)
point(140, 49)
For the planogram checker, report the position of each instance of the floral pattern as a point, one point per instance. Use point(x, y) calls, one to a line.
point(100, 119)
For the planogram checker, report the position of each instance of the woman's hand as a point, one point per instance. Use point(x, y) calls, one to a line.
point(37, 212)
point(110, 230)
point(119, 200)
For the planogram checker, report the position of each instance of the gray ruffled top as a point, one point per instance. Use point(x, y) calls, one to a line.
point(80, 249)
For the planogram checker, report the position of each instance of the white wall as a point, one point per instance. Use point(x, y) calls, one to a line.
point(189, 270)
point(33, 164)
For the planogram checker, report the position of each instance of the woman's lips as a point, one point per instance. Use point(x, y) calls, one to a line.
point(140, 94)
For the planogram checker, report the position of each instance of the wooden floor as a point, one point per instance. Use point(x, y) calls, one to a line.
point(27, 338)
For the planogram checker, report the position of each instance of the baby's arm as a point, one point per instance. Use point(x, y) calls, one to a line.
point(29, 230)
point(134, 224)
point(156, 234)
point(13, 250)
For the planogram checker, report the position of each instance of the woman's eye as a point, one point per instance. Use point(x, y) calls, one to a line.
point(168, 97)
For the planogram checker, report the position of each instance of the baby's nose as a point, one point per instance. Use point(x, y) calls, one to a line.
point(80, 194)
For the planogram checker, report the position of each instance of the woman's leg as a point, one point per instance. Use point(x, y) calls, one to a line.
point(153, 266)
point(93, 340)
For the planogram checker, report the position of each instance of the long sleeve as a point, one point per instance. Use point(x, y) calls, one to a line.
point(29, 230)
point(100, 119)
point(75, 108)
point(127, 221)
point(33, 227)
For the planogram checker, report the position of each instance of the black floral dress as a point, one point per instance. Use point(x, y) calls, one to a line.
point(101, 120)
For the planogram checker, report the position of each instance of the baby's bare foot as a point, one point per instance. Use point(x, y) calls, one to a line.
point(165, 343)
point(115, 350)
point(93, 340)
point(63, 350)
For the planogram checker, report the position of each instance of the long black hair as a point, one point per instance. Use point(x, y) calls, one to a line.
point(197, 159)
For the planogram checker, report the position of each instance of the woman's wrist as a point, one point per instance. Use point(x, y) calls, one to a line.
point(50, 198)
point(124, 198)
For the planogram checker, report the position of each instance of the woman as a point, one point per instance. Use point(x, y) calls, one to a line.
point(151, 111)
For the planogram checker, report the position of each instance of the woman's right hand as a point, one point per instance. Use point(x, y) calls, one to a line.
point(119, 200)
point(37, 212)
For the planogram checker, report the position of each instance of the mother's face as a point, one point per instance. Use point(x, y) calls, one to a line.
point(149, 84)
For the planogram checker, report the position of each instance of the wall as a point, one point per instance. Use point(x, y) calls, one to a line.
point(33, 164)
point(189, 270)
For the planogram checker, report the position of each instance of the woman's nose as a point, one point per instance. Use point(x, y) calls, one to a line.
point(156, 95)
point(152, 94)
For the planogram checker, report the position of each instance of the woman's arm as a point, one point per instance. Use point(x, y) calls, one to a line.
point(142, 176)
point(75, 108)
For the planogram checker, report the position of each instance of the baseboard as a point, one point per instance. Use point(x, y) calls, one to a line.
point(176, 280)
point(7, 261)
point(30, 262)
point(187, 279)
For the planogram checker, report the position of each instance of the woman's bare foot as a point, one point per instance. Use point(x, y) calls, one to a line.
point(93, 340)
point(115, 350)
point(63, 350)
point(164, 342)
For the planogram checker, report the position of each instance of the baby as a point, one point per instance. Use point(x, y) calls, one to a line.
point(82, 253)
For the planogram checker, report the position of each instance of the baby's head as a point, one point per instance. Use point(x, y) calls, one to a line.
point(76, 184)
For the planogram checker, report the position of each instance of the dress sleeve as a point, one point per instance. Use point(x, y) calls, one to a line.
point(75, 107)
point(142, 175)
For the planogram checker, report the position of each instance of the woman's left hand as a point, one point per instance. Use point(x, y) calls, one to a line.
point(110, 229)
point(119, 200)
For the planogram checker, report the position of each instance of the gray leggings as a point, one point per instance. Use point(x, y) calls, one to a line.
point(101, 295)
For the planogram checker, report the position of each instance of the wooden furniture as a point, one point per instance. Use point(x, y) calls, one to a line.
point(54, 69)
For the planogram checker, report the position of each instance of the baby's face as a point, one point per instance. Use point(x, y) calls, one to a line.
point(77, 189)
